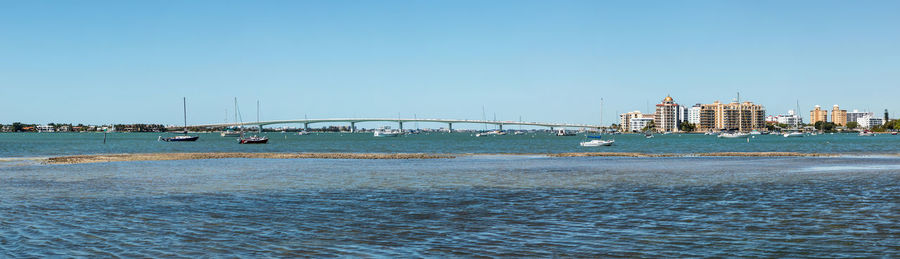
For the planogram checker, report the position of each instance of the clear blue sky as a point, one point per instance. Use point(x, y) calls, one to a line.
point(132, 61)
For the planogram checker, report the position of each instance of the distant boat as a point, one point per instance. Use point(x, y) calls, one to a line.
point(185, 137)
point(648, 135)
point(867, 133)
point(254, 140)
point(230, 133)
point(734, 135)
point(385, 132)
point(522, 133)
point(563, 133)
point(491, 133)
point(596, 142)
point(795, 134)
point(755, 132)
point(303, 133)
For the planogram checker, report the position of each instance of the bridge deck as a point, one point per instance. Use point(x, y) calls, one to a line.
point(398, 120)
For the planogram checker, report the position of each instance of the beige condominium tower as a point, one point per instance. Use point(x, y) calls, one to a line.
point(734, 116)
point(838, 116)
point(817, 115)
point(666, 117)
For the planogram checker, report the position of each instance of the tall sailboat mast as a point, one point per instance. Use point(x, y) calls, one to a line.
point(184, 106)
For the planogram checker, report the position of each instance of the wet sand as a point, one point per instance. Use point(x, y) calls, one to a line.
point(82, 159)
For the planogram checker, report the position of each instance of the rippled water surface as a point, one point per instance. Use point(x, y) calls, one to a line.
point(54, 144)
point(514, 206)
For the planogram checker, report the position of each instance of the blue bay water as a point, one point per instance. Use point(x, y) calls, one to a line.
point(483, 205)
point(53, 144)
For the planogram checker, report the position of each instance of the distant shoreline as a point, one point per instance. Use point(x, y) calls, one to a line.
point(103, 158)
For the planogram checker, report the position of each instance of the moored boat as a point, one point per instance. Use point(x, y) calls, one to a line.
point(385, 132)
point(185, 137)
point(230, 133)
point(733, 135)
point(254, 140)
point(563, 132)
point(596, 142)
point(795, 134)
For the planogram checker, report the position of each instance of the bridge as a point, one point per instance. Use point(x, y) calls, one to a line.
point(400, 121)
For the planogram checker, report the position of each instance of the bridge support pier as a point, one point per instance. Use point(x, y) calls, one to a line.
point(352, 127)
point(501, 127)
point(450, 127)
point(259, 129)
point(306, 127)
point(551, 128)
point(401, 125)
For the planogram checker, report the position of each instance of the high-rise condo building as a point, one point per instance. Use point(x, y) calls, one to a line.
point(856, 114)
point(694, 114)
point(625, 119)
point(666, 118)
point(838, 116)
point(817, 115)
point(734, 116)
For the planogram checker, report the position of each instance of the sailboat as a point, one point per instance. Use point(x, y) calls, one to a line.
point(254, 139)
point(184, 137)
point(597, 140)
point(230, 132)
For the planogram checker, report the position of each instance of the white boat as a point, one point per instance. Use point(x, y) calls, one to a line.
point(563, 132)
point(793, 135)
point(386, 132)
point(302, 133)
point(596, 142)
point(491, 133)
point(734, 135)
point(867, 133)
point(518, 133)
point(755, 133)
point(230, 133)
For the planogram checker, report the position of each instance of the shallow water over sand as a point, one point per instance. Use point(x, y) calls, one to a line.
point(470, 206)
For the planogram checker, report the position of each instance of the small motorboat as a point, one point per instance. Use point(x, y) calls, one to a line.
point(254, 140)
point(795, 134)
point(522, 133)
point(734, 135)
point(491, 133)
point(302, 133)
point(230, 133)
point(386, 132)
point(894, 133)
point(648, 135)
point(596, 142)
point(563, 133)
point(867, 133)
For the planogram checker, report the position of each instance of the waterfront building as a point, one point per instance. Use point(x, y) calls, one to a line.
point(734, 116)
point(44, 128)
point(869, 121)
point(817, 115)
point(838, 116)
point(856, 114)
point(638, 124)
point(791, 119)
point(625, 120)
point(666, 116)
point(694, 114)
